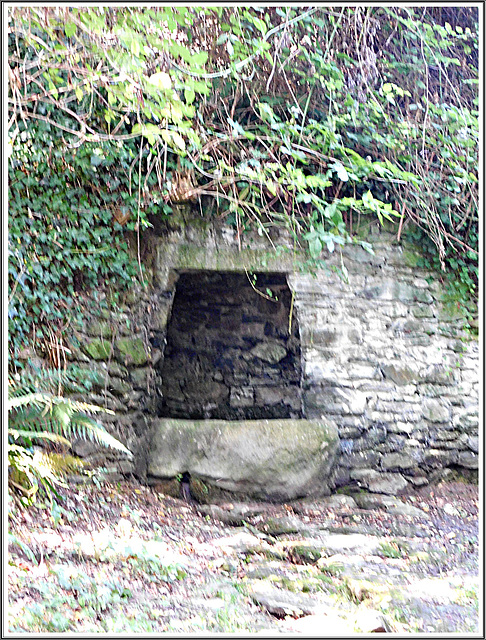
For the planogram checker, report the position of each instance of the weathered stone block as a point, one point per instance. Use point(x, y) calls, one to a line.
point(436, 410)
point(270, 396)
point(437, 374)
point(405, 326)
point(473, 443)
point(400, 373)
point(134, 399)
point(388, 289)
point(442, 435)
point(388, 503)
point(116, 369)
point(350, 432)
point(140, 377)
point(242, 397)
point(417, 481)
point(375, 435)
point(319, 369)
point(436, 458)
point(423, 311)
point(468, 459)
point(253, 329)
point(206, 390)
point(132, 351)
point(269, 459)
point(389, 483)
point(359, 460)
point(402, 461)
point(364, 371)
point(160, 317)
point(401, 427)
point(269, 351)
point(100, 329)
point(409, 293)
point(98, 349)
point(421, 283)
point(118, 386)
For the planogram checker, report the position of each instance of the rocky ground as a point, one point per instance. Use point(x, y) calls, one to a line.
point(126, 558)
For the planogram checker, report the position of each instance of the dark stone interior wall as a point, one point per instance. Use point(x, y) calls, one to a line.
point(229, 354)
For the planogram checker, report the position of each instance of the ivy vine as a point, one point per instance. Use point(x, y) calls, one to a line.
point(315, 121)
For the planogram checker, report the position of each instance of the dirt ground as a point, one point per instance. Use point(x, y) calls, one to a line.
point(124, 558)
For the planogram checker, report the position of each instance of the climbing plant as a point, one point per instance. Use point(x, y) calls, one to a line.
point(315, 120)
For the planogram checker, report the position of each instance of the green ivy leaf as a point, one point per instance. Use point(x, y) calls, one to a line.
point(339, 168)
point(200, 59)
point(70, 29)
point(189, 95)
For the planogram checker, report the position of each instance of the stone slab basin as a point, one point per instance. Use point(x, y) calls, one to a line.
point(275, 460)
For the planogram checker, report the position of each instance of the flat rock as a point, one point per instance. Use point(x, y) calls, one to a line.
point(388, 503)
point(371, 621)
point(229, 513)
point(239, 542)
point(270, 351)
point(267, 569)
point(276, 460)
point(282, 602)
point(337, 501)
point(281, 525)
point(376, 482)
point(354, 542)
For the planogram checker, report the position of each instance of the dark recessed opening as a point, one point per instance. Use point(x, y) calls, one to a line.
point(229, 354)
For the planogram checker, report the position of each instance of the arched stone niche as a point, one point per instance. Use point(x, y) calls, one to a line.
point(232, 348)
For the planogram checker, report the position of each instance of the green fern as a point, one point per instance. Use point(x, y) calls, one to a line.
point(36, 414)
point(42, 412)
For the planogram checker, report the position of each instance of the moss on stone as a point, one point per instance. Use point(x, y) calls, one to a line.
point(132, 350)
point(140, 377)
point(100, 328)
point(118, 386)
point(306, 553)
point(411, 257)
point(98, 349)
point(450, 311)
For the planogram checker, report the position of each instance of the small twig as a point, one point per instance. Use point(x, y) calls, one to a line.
point(404, 207)
point(139, 200)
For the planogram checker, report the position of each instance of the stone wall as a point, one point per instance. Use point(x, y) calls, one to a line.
point(383, 354)
point(391, 365)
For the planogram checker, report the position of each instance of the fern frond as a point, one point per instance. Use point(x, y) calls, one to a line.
point(41, 435)
point(62, 413)
point(89, 429)
point(85, 407)
point(35, 414)
point(38, 399)
point(33, 378)
point(44, 467)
